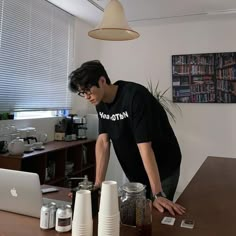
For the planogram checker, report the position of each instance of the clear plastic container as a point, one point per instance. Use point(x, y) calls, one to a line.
point(130, 192)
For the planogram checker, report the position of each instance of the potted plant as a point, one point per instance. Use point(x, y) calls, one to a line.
point(162, 99)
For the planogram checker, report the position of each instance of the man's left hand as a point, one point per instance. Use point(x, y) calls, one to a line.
point(162, 204)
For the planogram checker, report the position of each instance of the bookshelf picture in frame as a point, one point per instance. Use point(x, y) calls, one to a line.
point(204, 78)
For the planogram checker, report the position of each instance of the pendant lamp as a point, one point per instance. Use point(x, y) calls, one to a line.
point(114, 26)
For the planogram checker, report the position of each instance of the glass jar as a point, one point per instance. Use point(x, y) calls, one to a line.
point(130, 192)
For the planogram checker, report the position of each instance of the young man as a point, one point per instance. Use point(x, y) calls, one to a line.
point(138, 127)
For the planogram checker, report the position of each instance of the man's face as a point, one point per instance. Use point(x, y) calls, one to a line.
point(93, 94)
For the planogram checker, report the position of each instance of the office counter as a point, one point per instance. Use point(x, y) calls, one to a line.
point(209, 199)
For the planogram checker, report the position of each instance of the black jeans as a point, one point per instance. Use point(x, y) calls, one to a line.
point(169, 184)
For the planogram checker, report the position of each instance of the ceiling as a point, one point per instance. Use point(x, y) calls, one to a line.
point(138, 11)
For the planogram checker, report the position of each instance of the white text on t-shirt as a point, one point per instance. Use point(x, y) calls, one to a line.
point(114, 117)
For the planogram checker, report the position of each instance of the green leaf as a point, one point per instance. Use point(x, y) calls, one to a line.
point(166, 103)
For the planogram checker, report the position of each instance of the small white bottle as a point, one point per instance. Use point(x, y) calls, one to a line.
point(63, 219)
point(44, 217)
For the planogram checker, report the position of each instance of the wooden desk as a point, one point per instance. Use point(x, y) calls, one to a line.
point(209, 199)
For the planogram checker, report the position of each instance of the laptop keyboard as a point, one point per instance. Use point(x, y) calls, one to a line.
point(58, 202)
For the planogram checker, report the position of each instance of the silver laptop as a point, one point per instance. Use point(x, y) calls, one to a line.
point(20, 192)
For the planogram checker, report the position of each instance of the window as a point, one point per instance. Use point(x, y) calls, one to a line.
point(40, 114)
point(34, 114)
point(36, 55)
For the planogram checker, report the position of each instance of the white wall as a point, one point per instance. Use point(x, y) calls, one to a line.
point(86, 49)
point(202, 129)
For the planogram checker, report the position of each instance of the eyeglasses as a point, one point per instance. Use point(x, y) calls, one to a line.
point(84, 92)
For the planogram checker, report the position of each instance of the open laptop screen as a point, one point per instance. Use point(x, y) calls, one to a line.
point(20, 192)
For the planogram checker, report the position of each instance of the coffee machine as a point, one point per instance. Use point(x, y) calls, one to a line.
point(81, 127)
point(71, 128)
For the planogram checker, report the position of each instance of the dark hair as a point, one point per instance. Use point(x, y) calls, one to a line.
point(87, 75)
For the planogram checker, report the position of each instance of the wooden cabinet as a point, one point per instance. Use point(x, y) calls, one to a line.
point(57, 162)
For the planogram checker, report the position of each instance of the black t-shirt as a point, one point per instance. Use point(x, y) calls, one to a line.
point(134, 117)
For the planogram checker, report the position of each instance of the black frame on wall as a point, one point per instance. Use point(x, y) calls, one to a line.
point(204, 78)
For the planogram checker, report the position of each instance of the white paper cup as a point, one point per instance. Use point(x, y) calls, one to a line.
point(82, 230)
point(102, 231)
point(109, 220)
point(83, 208)
point(109, 199)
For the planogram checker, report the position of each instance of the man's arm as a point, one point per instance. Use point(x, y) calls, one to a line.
point(150, 165)
point(102, 158)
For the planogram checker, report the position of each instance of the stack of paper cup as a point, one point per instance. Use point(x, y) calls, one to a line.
point(82, 224)
point(109, 214)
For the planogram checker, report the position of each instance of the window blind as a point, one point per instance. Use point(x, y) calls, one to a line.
point(36, 56)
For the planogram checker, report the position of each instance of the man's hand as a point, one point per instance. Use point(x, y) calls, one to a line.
point(162, 204)
point(97, 185)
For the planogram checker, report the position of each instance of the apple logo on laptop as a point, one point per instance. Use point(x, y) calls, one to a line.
point(13, 192)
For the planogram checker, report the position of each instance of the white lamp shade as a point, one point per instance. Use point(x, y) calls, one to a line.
point(114, 26)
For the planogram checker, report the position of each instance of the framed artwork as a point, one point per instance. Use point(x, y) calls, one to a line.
point(204, 78)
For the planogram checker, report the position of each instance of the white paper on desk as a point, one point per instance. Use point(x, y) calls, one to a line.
point(168, 220)
point(189, 224)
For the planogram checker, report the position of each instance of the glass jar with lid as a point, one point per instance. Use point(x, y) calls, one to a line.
point(130, 192)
